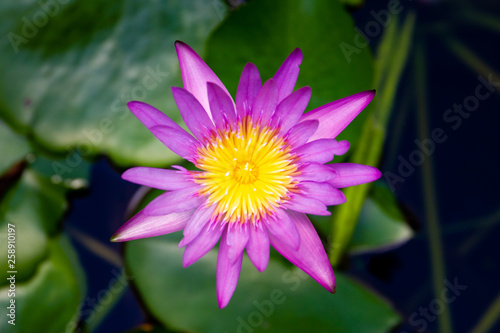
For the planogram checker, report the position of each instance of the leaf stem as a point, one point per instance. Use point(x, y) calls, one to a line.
point(431, 210)
point(489, 318)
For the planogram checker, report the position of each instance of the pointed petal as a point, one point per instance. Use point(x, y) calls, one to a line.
point(151, 116)
point(175, 201)
point(290, 109)
point(202, 244)
point(228, 273)
point(258, 246)
point(319, 151)
point(200, 218)
point(177, 140)
point(248, 88)
point(265, 102)
point(350, 174)
point(287, 74)
point(142, 226)
point(237, 239)
point(303, 204)
point(310, 256)
point(192, 112)
point(323, 192)
point(159, 178)
point(300, 133)
point(195, 74)
point(282, 228)
point(221, 106)
point(335, 116)
point(315, 172)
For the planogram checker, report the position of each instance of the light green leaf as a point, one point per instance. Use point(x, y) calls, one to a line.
point(13, 147)
point(49, 301)
point(277, 300)
point(67, 73)
point(35, 206)
point(381, 224)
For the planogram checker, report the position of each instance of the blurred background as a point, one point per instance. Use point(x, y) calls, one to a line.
point(417, 251)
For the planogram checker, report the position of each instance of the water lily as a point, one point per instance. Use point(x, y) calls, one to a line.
point(261, 163)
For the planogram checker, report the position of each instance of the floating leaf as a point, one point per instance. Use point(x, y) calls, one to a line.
point(13, 146)
point(381, 224)
point(279, 299)
point(49, 301)
point(66, 76)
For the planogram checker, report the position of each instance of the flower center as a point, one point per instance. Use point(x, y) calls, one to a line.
point(247, 171)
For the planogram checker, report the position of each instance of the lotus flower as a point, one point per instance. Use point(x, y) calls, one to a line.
point(262, 168)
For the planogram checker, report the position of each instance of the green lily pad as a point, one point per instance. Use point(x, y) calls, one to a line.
point(381, 225)
point(13, 146)
point(69, 67)
point(54, 288)
point(34, 206)
point(277, 300)
point(266, 32)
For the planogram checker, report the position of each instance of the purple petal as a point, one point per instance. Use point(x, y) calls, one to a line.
point(310, 256)
point(195, 74)
point(282, 228)
point(200, 218)
point(248, 88)
point(175, 201)
point(177, 140)
point(202, 244)
point(323, 192)
point(350, 174)
point(221, 106)
point(290, 109)
point(258, 246)
point(237, 239)
point(142, 226)
point(299, 134)
point(265, 102)
point(341, 147)
point(287, 74)
point(335, 116)
point(302, 204)
point(228, 272)
point(315, 172)
point(192, 112)
point(150, 116)
point(319, 151)
point(159, 178)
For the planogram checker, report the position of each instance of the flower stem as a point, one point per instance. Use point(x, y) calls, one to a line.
point(489, 318)
point(471, 59)
point(431, 210)
point(106, 303)
point(369, 149)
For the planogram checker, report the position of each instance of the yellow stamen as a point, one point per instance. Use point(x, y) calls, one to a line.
point(247, 171)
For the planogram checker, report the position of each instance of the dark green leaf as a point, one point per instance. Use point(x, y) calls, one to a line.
point(265, 32)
